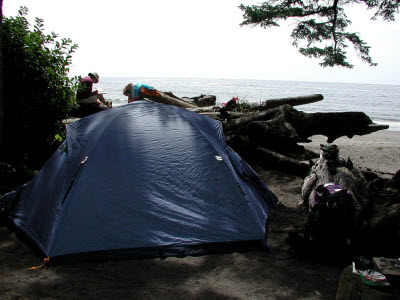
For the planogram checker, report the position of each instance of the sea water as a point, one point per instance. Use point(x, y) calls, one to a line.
point(380, 102)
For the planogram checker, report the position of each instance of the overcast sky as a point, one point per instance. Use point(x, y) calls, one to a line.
point(201, 39)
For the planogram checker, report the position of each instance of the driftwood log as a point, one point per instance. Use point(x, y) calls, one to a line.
point(287, 123)
point(281, 129)
point(351, 287)
point(267, 104)
point(331, 168)
point(293, 101)
point(268, 158)
point(376, 226)
point(190, 103)
point(202, 100)
point(171, 99)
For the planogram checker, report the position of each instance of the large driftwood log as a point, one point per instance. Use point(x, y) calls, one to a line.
point(376, 227)
point(217, 115)
point(281, 129)
point(268, 104)
point(330, 167)
point(351, 287)
point(268, 158)
point(286, 123)
point(240, 124)
point(192, 103)
point(213, 108)
point(293, 101)
point(202, 100)
point(169, 98)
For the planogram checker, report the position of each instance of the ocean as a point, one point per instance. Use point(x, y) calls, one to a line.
point(380, 102)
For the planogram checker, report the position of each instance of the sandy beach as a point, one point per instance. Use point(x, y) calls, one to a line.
point(378, 151)
point(278, 274)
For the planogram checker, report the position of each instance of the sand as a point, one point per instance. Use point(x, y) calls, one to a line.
point(378, 151)
point(278, 274)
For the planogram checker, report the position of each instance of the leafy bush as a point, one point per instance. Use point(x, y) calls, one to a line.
point(11, 177)
point(38, 94)
point(243, 106)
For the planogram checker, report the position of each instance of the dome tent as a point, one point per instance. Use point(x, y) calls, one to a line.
point(143, 179)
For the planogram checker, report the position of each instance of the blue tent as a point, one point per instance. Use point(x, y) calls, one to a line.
point(143, 179)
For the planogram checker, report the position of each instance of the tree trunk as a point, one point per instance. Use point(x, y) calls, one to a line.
point(1, 79)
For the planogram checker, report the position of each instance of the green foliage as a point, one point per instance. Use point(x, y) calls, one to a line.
point(242, 106)
point(11, 176)
point(38, 94)
point(321, 25)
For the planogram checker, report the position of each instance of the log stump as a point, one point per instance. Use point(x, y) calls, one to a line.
point(351, 287)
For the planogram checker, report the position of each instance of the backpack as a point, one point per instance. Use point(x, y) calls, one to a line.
point(331, 219)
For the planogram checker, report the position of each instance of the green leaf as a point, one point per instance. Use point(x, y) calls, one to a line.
point(36, 65)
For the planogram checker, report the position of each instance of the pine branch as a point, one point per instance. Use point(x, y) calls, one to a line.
point(319, 22)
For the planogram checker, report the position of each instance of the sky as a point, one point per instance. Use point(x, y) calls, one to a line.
point(202, 39)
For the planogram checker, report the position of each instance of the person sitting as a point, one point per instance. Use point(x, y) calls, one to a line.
point(90, 101)
point(138, 91)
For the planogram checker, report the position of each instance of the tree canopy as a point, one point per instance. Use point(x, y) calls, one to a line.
point(321, 25)
point(38, 94)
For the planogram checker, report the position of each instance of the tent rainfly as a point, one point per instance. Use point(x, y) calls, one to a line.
point(145, 180)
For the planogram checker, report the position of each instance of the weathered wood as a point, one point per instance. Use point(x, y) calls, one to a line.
point(330, 167)
point(214, 108)
point(351, 287)
point(293, 101)
point(167, 98)
point(336, 124)
point(268, 104)
point(70, 120)
point(268, 158)
point(281, 129)
point(217, 115)
point(299, 126)
point(202, 100)
point(241, 123)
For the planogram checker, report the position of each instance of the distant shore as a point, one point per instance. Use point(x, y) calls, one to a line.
point(378, 151)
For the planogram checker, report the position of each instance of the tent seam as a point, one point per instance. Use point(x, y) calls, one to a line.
point(58, 224)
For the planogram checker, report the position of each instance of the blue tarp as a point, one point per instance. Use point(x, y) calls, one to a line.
point(143, 179)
